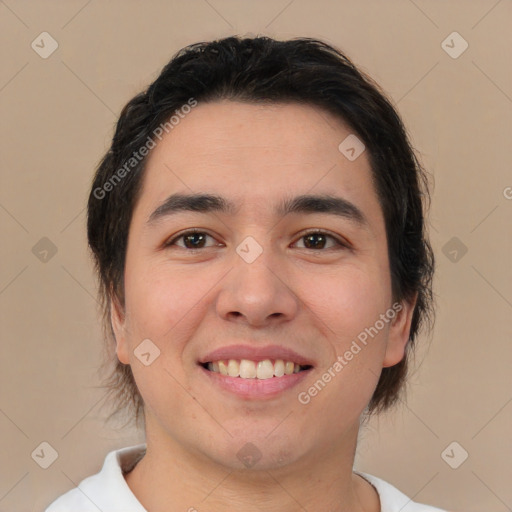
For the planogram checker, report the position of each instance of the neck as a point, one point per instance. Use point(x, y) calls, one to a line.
point(171, 475)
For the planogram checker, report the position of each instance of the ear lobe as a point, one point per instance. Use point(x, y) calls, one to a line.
point(118, 321)
point(398, 335)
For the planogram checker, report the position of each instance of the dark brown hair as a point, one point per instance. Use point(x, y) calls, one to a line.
point(262, 69)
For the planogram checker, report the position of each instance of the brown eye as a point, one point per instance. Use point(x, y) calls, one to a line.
point(194, 240)
point(191, 240)
point(318, 240)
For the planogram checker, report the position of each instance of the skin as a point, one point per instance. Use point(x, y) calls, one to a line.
point(313, 300)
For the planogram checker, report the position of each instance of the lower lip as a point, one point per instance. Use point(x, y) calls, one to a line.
point(255, 388)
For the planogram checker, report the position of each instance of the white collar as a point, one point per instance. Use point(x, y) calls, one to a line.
point(108, 490)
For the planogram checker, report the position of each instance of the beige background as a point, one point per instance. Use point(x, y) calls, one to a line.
point(57, 116)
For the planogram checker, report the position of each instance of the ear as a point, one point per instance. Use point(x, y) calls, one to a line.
point(118, 321)
point(399, 330)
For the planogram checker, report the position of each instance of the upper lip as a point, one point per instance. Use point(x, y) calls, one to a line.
point(253, 353)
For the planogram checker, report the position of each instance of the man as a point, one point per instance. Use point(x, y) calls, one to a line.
point(258, 231)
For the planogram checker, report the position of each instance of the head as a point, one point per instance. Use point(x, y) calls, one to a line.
point(259, 121)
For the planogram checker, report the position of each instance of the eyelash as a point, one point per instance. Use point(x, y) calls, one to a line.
point(339, 242)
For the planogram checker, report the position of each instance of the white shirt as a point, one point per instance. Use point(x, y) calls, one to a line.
point(107, 491)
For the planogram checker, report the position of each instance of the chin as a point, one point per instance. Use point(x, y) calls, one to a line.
point(258, 452)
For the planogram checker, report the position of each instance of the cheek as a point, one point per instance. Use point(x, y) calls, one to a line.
point(160, 299)
point(349, 303)
point(349, 300)
point(163, 305)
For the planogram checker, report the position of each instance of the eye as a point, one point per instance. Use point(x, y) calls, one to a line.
point(318, 240)
point(193, 239)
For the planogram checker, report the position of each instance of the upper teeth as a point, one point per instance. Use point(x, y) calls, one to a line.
point(247, 369)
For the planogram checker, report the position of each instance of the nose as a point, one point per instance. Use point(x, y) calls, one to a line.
point(258, 293)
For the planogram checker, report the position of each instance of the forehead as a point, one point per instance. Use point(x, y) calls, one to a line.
point(256, 155)
point(284, 134)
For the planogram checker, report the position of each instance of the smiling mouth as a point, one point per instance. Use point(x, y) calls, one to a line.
point(247, 369)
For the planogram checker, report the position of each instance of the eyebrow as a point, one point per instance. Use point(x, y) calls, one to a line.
point(306, 204)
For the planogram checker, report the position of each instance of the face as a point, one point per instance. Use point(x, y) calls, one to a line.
point(265, 278)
